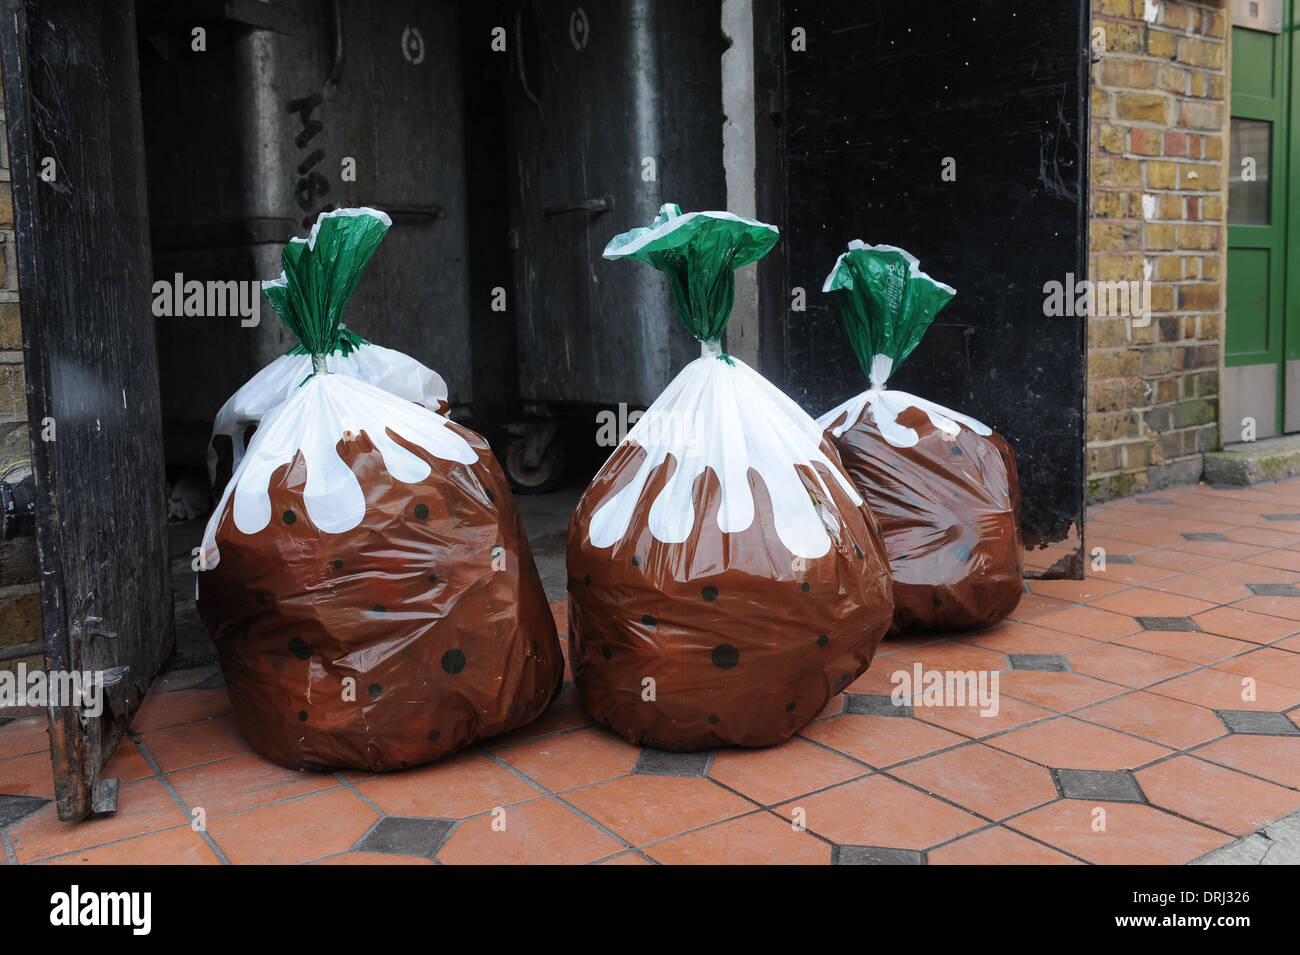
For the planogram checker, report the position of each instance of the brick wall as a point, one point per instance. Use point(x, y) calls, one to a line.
point(20, 608)
point(1158, 189)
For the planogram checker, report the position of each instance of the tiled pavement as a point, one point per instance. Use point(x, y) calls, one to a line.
point(1149, 714)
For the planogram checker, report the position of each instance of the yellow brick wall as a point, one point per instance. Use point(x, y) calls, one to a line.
point(1158, 189)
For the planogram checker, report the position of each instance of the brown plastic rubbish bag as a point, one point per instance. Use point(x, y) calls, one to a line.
point(724, 580)
point(942, 485)
point(368, 582)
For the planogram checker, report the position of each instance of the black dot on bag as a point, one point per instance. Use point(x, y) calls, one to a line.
point(858, 550)
point(938, 602)
point(805, 586)
point(648, 620)
point(606, 652)
point(822, 640)
point(379, 608)
point(338, 565)
point(636, 560)
point(433, 578)
point(421, 511)
point(709, 593)
point(302, 716)
point(290, 517)
point(453, 661)
point(491, 496)
point(789, 707)
point(956, 450)
point(725, 656)
point(433, 736)
point(586, 580)
point(713, 719)
point(375, 690)
point(300, 648)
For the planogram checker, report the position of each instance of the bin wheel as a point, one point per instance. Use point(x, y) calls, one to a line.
point(541, 479)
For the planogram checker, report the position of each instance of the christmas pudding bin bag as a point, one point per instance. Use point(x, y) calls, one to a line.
point(942, 485)
point(724, 581)
point(369, 585)
point(275, 384)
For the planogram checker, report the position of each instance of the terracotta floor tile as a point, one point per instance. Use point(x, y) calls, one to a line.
point(1291, 644)
point(1222, 690)
point(1268, 664)
point(878, 811)
point(1264, 536)
point(1088, 621)
point(1199, 648)
point(757, 839)
point(1243, 625)
point(1137, 574)
point(1027, 638)
point(27, 735)
point(1058, 691)
point(161, 710)
point(777, 773)
point(1149, 602)
point(127, 763)
point(372, 858)
point(1176, 560)
point(1224, 550)
point(142, 807)
point(1134, 834)
point(30, 775)
point(1157, 718)
point(1214, 795)
point(296, 831)
point(181, 846)
point(539, 832)
point(1075, 591)
point(1125, 665)
point(879, 678)
point(556, 719)
point(560, 611)
point(1066, 743)
point(985, 780)
point(646, 809)
point(1204, 585)
point(1286, 607)
point(880, 741)
point(951, 655)
point(243, 782)
point(464, 785)
point(1283, 559)
point(190, 744)
point(1035, 605)
point(997, 846)
point(573, 759)
point(969, 721)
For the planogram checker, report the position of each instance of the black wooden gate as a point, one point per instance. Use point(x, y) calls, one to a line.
point(73, 108)
point(879, 102)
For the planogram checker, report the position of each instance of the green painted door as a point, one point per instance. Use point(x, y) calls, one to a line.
point(1254, 383)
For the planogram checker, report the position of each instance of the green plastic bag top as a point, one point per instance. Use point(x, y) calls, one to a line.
point(886, 302)
point(700, 251)
point(319, 275)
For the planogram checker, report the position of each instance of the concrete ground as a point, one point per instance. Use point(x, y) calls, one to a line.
point(1147, 714)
